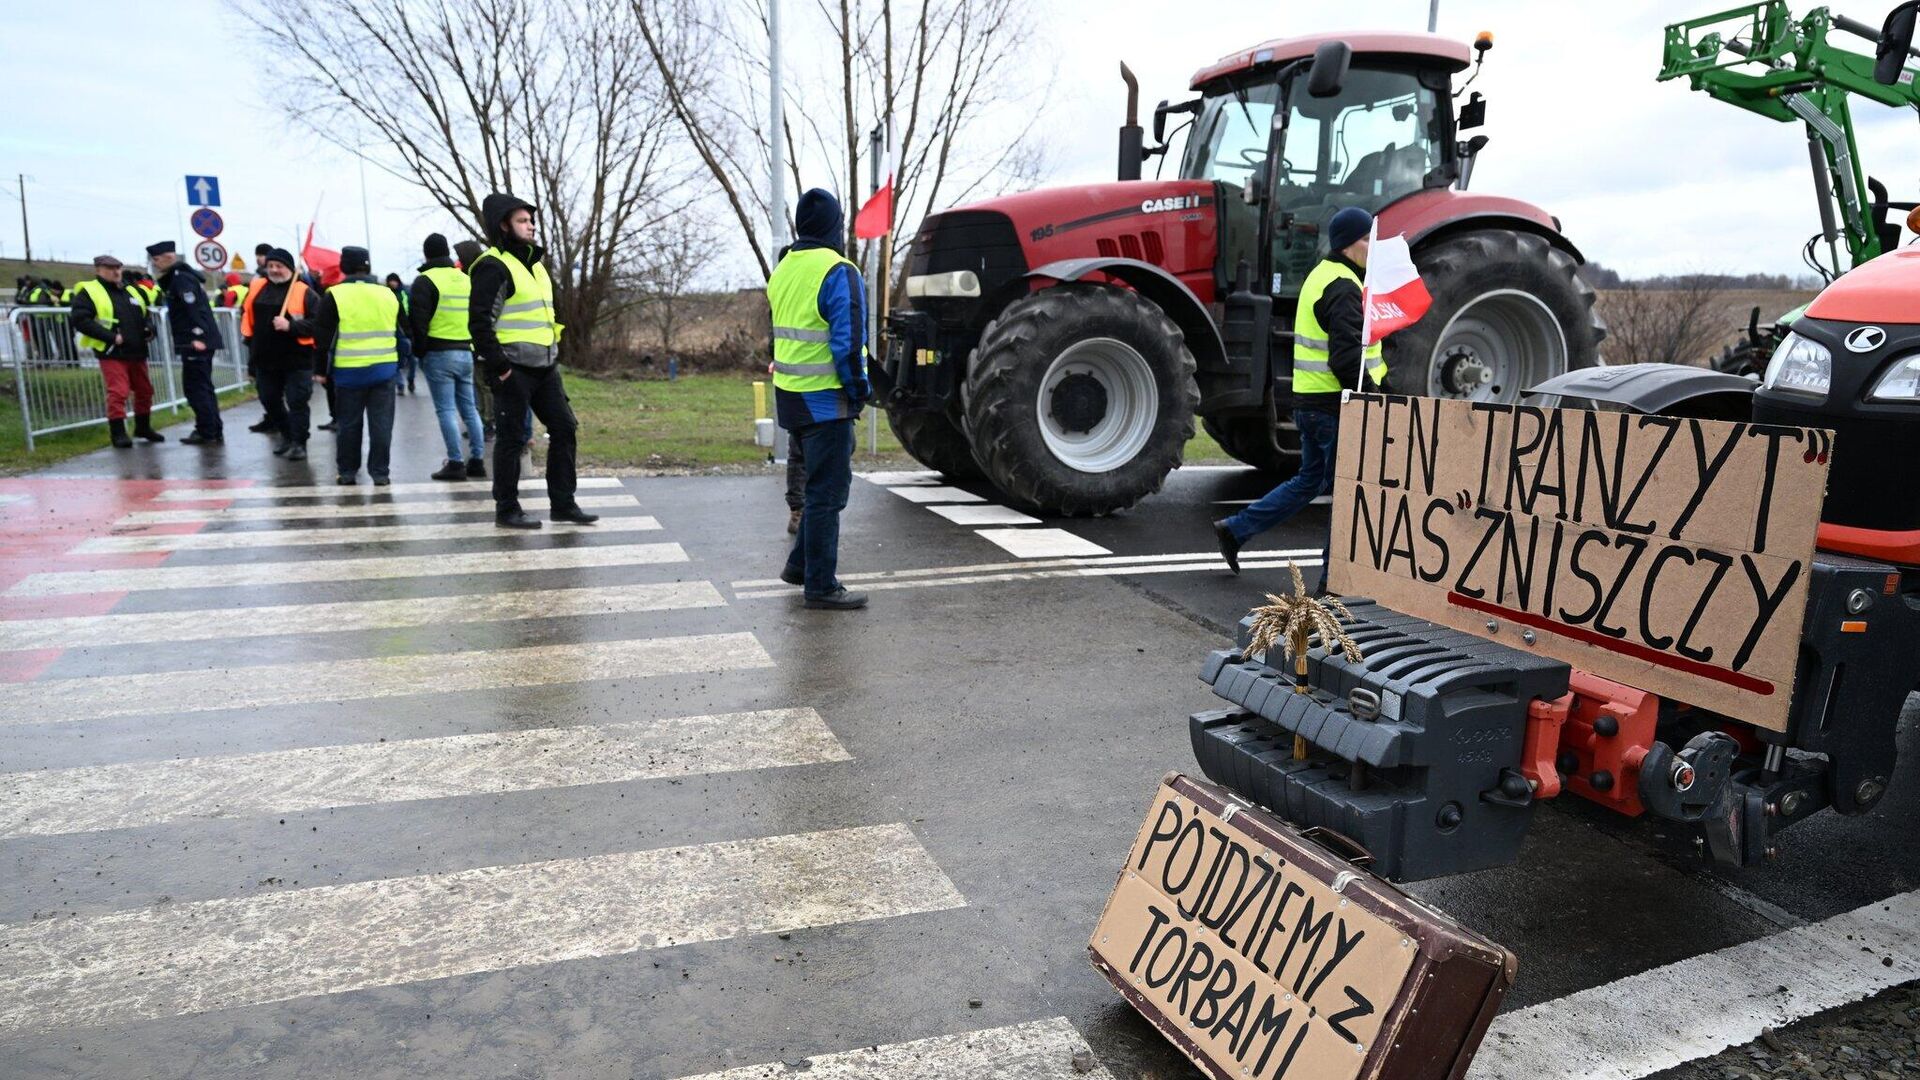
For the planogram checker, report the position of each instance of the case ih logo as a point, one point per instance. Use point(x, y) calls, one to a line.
point(1866, 339)
point(1173, 202)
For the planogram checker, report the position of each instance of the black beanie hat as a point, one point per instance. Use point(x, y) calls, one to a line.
point(355, 260)
point(264, 249)
point(280, 255)
point(435, 247)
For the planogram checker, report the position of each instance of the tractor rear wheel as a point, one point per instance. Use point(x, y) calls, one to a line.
point(1245, 437)
point(1080, 399)
point(1509, 311)
point(935, 440)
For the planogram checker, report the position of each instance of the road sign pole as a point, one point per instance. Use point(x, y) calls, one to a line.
point(25, 236)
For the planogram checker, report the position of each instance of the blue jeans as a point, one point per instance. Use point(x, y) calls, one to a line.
point(373, 406)
point(450, 380)
point(408, 363)
point(828, 447)
point(1319, 432)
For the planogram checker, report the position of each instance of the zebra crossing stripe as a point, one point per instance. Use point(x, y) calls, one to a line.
point(261, 686)
point(84, 631)
point(179, 959)
point(535, 486)
point(358, 534)
point(362, 568)
point(352, 510)
point(1040, 1050)
point(135, 794)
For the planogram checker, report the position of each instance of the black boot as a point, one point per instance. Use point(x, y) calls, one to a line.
point(476, 468)
point(143, 429)
point(1229, 544)
point(265, 425)
point(281, 445)
point(517, 519)
point(452, 470)
point(118, 430)
point(573, 515)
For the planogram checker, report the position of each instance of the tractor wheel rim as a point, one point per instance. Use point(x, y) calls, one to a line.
point(1496, 346)
point(1123, 428)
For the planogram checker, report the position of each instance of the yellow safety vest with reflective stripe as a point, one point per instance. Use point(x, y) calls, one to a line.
point(449, 322)
point(802, 355)
point(96, 291)
point(526, 317)
point(368, 311)
point(1312, 368)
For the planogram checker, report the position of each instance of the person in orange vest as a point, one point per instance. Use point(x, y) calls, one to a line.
point(276, 321)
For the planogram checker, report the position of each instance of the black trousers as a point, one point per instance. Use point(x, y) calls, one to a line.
point(284, 393)
point(196, 373)
point(796, 473)
point(542, 390)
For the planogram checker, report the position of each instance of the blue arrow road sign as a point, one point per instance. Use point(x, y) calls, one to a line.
point(203, 191)
point(206, 222)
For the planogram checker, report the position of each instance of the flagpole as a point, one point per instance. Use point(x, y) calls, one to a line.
point(1366, 310)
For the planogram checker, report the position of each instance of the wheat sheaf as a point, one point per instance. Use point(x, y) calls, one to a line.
point(1295, 622)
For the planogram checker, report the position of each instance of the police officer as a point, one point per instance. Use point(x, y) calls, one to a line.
point(1328, 354)
point(196, 337)
point(357, 342)
point(109, 319)
point(510, 316)
point(818, 304)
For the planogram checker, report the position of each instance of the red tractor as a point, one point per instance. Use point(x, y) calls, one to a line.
point(1060, 343)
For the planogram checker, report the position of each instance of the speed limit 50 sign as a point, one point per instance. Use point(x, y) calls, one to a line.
point(210, 254)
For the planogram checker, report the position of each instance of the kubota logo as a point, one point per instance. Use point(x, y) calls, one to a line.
point(1866, 339)
point(1172, 202)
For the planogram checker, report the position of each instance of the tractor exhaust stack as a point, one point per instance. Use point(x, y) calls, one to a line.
point(1132, 145)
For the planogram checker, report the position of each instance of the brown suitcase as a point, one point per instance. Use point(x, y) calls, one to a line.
point(1262, 954)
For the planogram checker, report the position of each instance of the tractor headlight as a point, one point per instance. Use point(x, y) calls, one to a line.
point(1799, 366)
point(956, 283)
point(1900, 383)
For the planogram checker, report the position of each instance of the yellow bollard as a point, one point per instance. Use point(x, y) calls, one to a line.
point(760, 402)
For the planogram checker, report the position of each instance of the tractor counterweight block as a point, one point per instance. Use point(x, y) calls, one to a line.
point(1413, 752)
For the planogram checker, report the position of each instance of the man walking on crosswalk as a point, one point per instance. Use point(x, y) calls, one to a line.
point(516, 337)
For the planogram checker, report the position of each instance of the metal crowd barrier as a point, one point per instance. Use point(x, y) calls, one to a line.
point(55, 382)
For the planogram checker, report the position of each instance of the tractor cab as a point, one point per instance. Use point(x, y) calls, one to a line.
point(1294, 131)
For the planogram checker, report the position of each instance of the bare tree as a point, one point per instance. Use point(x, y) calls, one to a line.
point(681, 253)
point(954, 74)
point(558, 103)
point(1679, 324)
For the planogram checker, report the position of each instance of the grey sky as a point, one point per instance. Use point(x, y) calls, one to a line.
point(1647, 177)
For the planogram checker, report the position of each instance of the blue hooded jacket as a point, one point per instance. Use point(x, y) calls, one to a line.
point(818, 222)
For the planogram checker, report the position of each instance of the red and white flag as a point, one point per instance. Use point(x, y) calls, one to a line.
point(875, 218)
point(322, 261)
point(1393, 294)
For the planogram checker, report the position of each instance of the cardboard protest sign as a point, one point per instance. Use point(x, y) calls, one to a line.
point(1667, 553)
point(1254, 966)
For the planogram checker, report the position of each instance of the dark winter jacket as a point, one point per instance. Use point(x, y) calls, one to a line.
point(492, 285)
point(1343, 317)
point(423, 299)
point(280, 350)
point(129, 321)
point(189, 315)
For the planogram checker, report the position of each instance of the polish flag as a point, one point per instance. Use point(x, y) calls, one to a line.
point(1393, 294)
point(875, 218)
point(322, 261)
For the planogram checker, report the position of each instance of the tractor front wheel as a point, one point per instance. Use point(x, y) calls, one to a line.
point(1080, 399)
point(935, 440)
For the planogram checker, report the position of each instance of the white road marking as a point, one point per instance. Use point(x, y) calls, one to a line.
point(177, 959)
point(935, 493)
point(357, 568)
point(988, 568)
point(1041, 543)
point(984, 515)
point(436, 487)
point(358, 534)
point(1040, 1050)
point(895, 479)
point(1652, 1021)
point(355, 510)
point(1217, 564)
point(152, 694)
point(1318, 500)
point(142, 793)
point(85, 631)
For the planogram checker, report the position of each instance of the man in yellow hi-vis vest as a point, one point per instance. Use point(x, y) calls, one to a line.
point(819, 383)
point(357, 349)
point(516, 336)
point(437, 312)
point(1329, 354)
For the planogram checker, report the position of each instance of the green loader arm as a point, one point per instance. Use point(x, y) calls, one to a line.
point(1757, 56)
